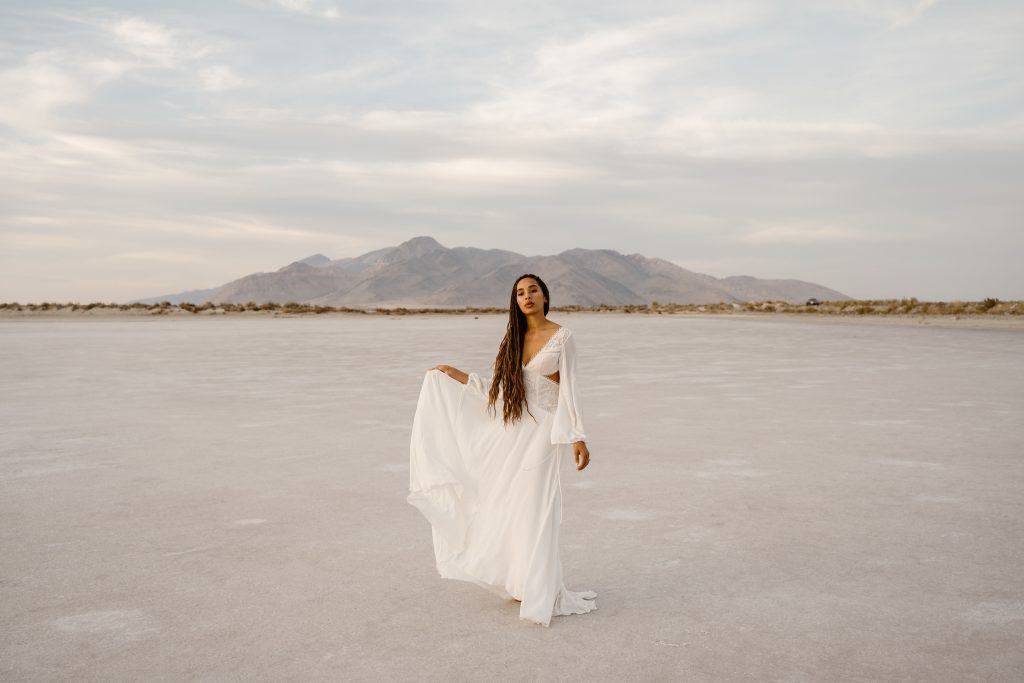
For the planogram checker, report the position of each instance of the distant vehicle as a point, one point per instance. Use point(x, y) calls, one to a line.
point(812, 302)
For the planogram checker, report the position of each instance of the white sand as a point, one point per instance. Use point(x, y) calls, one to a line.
point(769, 498)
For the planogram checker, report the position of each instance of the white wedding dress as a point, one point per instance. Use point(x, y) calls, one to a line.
point(493, 494)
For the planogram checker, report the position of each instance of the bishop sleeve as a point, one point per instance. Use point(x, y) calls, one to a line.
point(478, 385)
point(567, 426)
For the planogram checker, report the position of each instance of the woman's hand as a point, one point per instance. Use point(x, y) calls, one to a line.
point(457, 375)
point(582, 455)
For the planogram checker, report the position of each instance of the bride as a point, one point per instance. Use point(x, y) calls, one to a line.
point(491, 488)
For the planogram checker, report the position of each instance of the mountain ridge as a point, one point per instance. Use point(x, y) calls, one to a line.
point(422, 272)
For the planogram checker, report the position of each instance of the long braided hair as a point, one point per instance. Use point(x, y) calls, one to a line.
point(508, 368)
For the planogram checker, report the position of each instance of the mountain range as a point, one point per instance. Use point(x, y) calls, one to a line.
point(421, 272)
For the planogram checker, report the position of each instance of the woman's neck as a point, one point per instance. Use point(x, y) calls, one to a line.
point(536, 321)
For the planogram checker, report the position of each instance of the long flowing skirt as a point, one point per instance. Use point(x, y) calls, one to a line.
point(493, 497)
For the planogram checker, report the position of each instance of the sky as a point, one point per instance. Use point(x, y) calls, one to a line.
point(872, 147)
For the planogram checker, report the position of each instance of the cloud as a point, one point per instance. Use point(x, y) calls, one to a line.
point(466, 170)
point(155, 44)
point(41, 242)
point(148, 40)
point(893, 14)
point(376, 71)
point(220, 227)
point(219, 77)
point(610, 79)
point(799, 235)
point(162, 256)
point(311, 8)
point(33, 92)
point(911, 14)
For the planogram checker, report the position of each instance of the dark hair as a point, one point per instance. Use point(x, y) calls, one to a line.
point(508, 364)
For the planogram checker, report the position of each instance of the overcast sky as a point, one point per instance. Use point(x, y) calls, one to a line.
point(872, 147)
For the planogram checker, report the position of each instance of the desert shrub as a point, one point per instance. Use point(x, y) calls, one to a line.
point(908, 305)
point(988, 303)
point(957, 307)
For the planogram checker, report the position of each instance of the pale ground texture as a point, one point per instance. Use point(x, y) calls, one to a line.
point(224, 499)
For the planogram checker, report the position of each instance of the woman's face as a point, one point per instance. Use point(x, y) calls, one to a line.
point(529, 296)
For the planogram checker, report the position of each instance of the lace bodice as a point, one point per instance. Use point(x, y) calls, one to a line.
point(560, 398)
point(541, 391)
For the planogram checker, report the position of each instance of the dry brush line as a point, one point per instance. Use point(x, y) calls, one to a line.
point(880, 307)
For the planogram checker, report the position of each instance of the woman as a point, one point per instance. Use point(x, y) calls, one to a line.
point(491, 488)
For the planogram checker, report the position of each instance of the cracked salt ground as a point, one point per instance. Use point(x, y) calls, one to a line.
point(628, 515)
point(997, 612)
point(48, 470)
point(816, 535)
point(109, 627)
point(728, 473)
point(899, 462)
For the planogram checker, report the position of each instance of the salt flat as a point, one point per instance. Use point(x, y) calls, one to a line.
point(767, 499)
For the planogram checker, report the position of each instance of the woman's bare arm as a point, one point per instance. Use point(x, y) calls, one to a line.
point(454, 373)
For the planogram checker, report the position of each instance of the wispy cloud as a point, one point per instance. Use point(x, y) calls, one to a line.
point(150, 42)
point(312, 8)
point(611, 78)
point(219, 77)
point(797, 235)
point(490, 172)
point(22, 242)
point(892, 14)
point(33, 93)
point(162, 256)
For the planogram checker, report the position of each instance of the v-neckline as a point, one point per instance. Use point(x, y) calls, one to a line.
point(550, 339)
